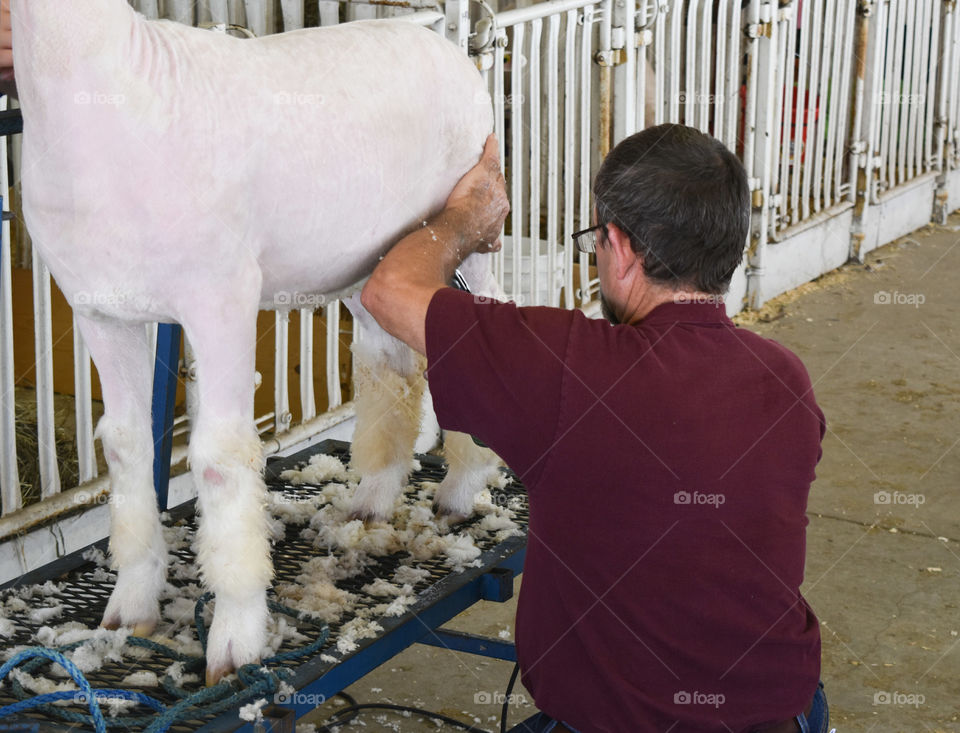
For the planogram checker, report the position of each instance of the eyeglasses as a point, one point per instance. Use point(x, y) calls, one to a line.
point(586, 239)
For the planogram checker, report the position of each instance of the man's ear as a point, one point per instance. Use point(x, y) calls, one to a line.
point(625, 259)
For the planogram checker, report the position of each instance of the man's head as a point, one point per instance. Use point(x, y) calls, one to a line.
point(683, 201)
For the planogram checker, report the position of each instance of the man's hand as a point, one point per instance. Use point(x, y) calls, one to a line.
point(478, 204)
point(401, 287)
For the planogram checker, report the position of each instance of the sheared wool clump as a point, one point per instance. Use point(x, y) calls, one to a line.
point(96, 556)
point(381, 587)
point(319, 469)
point(355, 630)
point(294, 511)
point(102, 645)
point(408, 574)
point(460, 550)
point(494, 522)
point(254, 711)
point(279, 630)
point(143, 678)
point(41, 685)
point(399, 605)
point(179, 677)
point(43, 614)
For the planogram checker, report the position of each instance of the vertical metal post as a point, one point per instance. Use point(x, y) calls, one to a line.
point(281, 362)
point(308, 401)
point(870, 52)
point(942, 119)
point(533, 62)
point(457, 20)
point(605, 58)
point(166, 369)
point(334, 392)
point(626, 83)
point(10, 499)
point(517, 189)
point(760, 133)
point(43, 347)
point(83, 407)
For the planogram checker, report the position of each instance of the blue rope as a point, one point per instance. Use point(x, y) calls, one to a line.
point(253, 681)
point(78, 677)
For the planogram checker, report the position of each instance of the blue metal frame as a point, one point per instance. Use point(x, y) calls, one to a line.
point(317, 681)
point(166, 369)
point(460, 641)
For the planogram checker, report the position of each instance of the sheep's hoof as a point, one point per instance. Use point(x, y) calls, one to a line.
point(451, 516)
point(367, 517)
point(215, 674)
point(141, 628)
point(144, 628)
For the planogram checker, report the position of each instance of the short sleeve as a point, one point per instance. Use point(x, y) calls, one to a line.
point(496, 372)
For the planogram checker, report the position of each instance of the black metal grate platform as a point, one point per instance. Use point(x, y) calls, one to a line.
point(87, 587)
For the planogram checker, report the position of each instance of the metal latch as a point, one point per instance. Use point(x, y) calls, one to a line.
point(755, 30)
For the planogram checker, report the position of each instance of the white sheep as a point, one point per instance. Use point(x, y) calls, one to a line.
point(174, 174)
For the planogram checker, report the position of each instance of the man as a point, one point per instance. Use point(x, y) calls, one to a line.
point(667, 454)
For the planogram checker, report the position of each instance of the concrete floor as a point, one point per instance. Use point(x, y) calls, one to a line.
point(883, 557)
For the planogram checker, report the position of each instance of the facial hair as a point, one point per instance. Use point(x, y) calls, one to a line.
point(607, 310)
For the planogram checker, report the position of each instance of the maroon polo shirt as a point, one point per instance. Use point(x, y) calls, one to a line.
point(668, 465)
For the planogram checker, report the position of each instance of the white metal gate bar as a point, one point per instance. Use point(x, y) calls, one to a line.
point(690, 68)
point(10, 498)
point(83, 408)
point(334, 395)
point(308, 401)
point(43, 348)
point(569, 149)
point(586, 98)
point(949, 106)
point(812, 112)
point(532, 269)
point(954, 91)
point(904, 92)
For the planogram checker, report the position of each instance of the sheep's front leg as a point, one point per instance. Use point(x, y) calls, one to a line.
point(226, 459)
point(469, 466)
point(388, 398)
point(138, 552)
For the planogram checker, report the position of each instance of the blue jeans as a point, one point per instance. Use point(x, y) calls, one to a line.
point(817, 722)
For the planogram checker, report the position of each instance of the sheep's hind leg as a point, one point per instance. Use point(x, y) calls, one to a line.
point(138, 552)
point(389, 391)
point(469, 466)
point(226, 459)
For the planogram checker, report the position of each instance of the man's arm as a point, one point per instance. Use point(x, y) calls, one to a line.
point(401, 287)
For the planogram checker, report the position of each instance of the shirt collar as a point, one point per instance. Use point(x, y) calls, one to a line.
point(707, 313)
